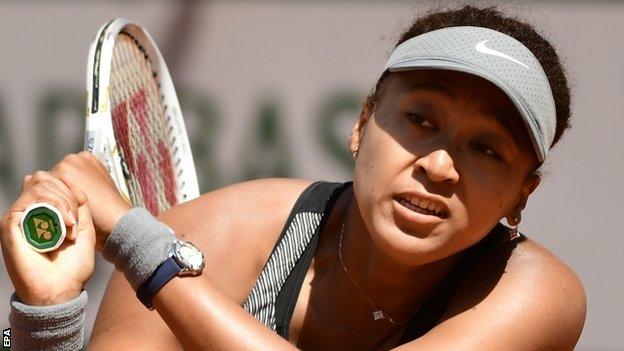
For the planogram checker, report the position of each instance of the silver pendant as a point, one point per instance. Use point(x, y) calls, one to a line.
point(378, 315)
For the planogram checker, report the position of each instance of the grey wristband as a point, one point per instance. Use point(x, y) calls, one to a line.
point(55, 327)
point(138, 244)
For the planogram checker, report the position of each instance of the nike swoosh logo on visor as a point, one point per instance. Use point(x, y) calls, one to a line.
point(480, 47)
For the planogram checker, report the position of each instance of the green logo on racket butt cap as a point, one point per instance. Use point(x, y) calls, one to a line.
point(43, 227)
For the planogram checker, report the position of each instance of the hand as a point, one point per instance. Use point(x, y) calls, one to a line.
point(60, 275)
point(93, 179)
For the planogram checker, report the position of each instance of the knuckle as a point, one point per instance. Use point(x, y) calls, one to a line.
point(66, 205)
point(89, 156)
point(62, 167)
point(60, 203)
point(68, 157)
point(10, 216)
point(38, 189)
point(65, 163)
point(26, 179)
point(71, 199)
point(40, 175)
point(64, 175)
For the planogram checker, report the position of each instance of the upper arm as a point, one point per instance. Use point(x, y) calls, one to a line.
point(536, 303)
point(235, 227)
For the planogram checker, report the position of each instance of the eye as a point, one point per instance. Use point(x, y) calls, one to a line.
point(420, 120)
point(486, 150)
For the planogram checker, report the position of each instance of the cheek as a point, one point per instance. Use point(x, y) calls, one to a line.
point(486, 199)
point(377, 170)
point(481, 206)
point(380, 157)
point(369, 177)
point(380, 165)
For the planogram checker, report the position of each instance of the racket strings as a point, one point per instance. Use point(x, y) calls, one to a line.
point(140, 127)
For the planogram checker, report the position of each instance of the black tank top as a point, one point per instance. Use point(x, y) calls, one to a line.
point(273, 297)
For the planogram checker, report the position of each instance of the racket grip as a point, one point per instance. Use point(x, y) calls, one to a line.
point(43, 227)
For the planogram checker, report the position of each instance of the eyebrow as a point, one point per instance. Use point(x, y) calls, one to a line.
point(501, 117)
point(504, 119)
point(432, 86)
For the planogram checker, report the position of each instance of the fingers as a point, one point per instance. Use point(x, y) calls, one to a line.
point(81, 198)
point(69, 181)
point(85, 224)
point(61, 188)
point(43, 187)
point(26, 181)
point(45, 193)
point(58, 180)
point(85, 180)
point(12, 239)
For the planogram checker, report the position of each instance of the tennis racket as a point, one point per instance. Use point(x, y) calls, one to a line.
point(134, 127)
point(134, 123)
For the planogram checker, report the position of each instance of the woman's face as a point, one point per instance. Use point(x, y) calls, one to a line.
point(452, 140)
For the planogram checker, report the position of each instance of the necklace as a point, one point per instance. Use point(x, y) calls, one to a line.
point(377, 312)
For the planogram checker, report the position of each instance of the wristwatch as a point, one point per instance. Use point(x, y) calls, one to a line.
point(185, 259)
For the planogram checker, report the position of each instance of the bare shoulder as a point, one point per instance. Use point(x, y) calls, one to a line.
point(236, 227)
point(526, 299)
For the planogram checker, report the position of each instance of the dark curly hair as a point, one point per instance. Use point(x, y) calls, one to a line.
point(490, 17)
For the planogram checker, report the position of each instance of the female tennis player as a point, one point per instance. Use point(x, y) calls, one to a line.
point(409, 255)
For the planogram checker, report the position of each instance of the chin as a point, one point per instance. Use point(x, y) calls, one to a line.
point(412, 247)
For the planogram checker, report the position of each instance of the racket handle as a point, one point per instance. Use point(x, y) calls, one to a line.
point(43, 227)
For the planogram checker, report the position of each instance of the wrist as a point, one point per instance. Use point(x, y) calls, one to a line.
point(65, 296)
point(137, 245)
point(116, 213)
point(120, 210)
point(185, 260)
point(55, 291)
point(48, 298)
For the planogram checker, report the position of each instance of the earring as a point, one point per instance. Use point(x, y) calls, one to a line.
point(355, 153)
point(513, 231)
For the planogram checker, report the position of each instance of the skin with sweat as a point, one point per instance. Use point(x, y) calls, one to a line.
point(448, 138)
point(438, 135)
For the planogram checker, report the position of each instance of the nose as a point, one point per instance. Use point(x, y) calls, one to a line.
point(438, 166)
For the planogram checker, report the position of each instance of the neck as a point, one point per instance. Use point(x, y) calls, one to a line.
point(394, 287)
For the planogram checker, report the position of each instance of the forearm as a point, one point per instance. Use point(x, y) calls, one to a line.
point(199, 315)
point(203, 318)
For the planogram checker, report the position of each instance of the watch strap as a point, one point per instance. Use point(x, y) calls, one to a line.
point(163, 274)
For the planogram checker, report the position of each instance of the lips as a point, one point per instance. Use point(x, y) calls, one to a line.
point(424, 204)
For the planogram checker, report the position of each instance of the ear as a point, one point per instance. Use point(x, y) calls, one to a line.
point(357, 132)
point(530, 184)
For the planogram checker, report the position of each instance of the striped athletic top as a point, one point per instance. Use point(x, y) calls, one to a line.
point(274, 295)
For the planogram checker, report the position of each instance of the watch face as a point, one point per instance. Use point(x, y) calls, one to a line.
point(189, 256)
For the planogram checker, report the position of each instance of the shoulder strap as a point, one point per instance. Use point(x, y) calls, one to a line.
point(287, 298)
point(303, 224)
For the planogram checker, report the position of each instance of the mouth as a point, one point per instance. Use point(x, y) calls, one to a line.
point(425, 206)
